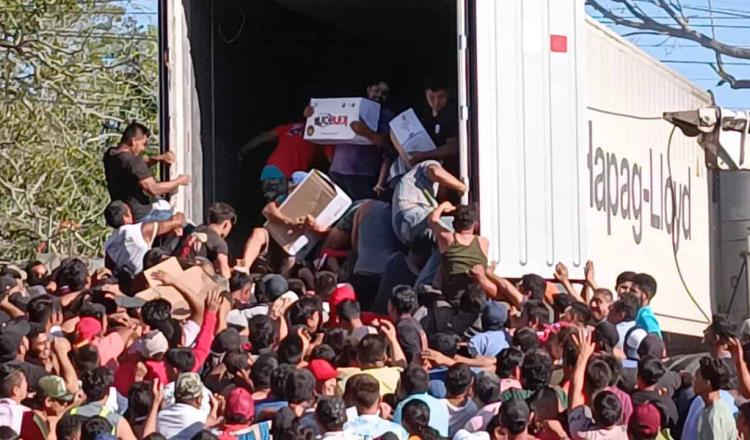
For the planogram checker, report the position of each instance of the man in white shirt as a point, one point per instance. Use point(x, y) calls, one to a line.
point(130, 241)
point(183, 419)
point(330, 416)
point(14, 390)
point(363, 392)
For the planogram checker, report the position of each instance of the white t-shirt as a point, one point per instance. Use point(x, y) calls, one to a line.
point(126, 247)
point(180, 421)
point(190, 330)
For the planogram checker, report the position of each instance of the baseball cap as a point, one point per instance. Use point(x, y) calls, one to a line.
point(274, 285)
point(342, 292)
point(645, 421)
point(11, 335)
point(651, 345)
point(188, 386)
point(154, 343)
point(54, 388)
point(87, 328)
point(240, 402)
point(514, 414)
point(237, 318)
point(633, 341)
point(331, 411)
point(129, 302)
point(494, 315)
point(606, 332)
point(322, 370)
point(297, 177)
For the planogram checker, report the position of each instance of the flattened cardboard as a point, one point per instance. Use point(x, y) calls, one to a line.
point(332, 117)
point(143, 280)
point(318, 196)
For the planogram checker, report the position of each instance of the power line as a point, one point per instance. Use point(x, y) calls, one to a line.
point(708, 63)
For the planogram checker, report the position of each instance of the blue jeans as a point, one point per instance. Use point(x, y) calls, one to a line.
point(161, 211)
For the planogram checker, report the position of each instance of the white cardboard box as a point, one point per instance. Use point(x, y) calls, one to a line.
point(408, 136)
point(332, 117)
point(318, 196)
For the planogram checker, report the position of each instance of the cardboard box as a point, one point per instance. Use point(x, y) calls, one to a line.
point(332, 117)
point(408, 136)
point(194, 277)
point(143, 280)
point(318, 196)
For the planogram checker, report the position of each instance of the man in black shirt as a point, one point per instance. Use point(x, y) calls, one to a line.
point(221, 219)
point(441, 122)
point(129, 178)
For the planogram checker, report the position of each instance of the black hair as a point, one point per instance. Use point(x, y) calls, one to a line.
point(172, 330)
point(94, 426)
point(561, 302)
point(348, 310)
point(445, 343)
point(286, 426)
point(39, 309)
point(715, 372)
point(155, 436)
point(73, 273)
point(436, 83)
point(153, 257)
point(487, 387)
point(86, 358)
point(473, 299)
point(297, 286)
point(525, 339)
point(279, 378)
point(236, 361)
point(507, 417)
point(362, 390)
point(414, 380)
point(535, 310)
point(458, 379)
point(722, 328)
point(303, 310)
point(646, 283)
point(325, 352)
point(415, 415)
point(291, 349)
point(625, 277)
point(627, 305)
point(744, 412)
point(607, 409)
point(140, 399)
point(650, 370)
point(132, 131)
point(325, 284)
point(507, 362)
point(615, 367)
point(300, 387)
point(239, 281)
point(34, 278)
point(534, 285)
point(69, 426)
point(182, 359)
point(262, 333)
point(536, 370)
point(262, 370)
point(598, 375)
point(155, 311)
point(404, 300)
point(96, 383)
point(220, 212)
point(114, 213)
point(204, 435)
point(342, 344)
point(465, 216)
point(371, 349)
point(581, 312)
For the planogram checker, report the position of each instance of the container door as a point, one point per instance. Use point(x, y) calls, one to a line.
point(530, 133)
point(181, 105)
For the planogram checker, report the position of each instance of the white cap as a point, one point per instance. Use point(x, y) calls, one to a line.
point(237, 318)
point(633, 341)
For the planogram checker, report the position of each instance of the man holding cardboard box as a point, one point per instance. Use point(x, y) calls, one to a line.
point(356, 165)
point(441, 122)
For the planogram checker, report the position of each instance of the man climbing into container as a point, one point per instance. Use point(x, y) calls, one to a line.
point(357, 168)
point(129, 178)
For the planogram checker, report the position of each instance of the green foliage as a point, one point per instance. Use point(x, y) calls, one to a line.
point(71, 71)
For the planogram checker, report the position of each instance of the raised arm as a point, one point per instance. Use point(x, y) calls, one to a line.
point(433, 221)
point(156, 189)
point(192, 298)
point(438, 174)
point(266, 137)
point(154, 229)
point(398, 358)
point(506, 289)
point(585, 347)
point(742, 371)
point(149, 427)
point(61, 348)
point(561, 274)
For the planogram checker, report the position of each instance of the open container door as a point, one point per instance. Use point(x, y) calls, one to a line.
point(180, 110)
point(529, 131)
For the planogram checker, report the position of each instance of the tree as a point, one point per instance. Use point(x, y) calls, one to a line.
point(677, 26)
point(71, 72)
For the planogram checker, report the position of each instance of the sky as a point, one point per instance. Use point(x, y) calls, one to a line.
point(731, 25)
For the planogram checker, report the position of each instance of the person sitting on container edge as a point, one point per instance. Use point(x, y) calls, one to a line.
point(221, 219)
point(129, 178)
point(644, 287)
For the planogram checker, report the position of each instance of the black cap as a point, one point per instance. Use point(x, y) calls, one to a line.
point(606, 332)
point(11, 335)
point(273, 285)
point(514, 414)
point(651, 345)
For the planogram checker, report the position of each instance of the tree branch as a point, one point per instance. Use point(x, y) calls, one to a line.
point(727, 77)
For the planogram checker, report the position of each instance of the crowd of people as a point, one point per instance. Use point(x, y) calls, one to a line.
point(392, 325)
